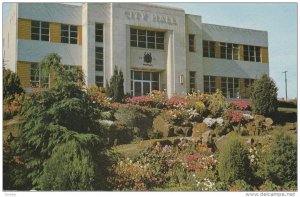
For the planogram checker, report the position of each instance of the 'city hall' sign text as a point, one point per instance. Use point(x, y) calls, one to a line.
point(153, 17)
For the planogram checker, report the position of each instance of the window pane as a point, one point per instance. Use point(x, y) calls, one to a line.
point(45, 38)
point(99, 68)
point(73, 34)
point(146, 88)
point(35, 30)
point(138, 75)
point(73, 28)
point(155, 85)
point(64, 27)
point(64, 34)
point(151, 46)
point(257, 54)
point(142, 44)
point(160, 46)
point(73, 40)
point(133, 43)
point(35, 37)
point(160, 34)
point(45, 31)
point(146, 75)
point(137, 89)
point(155, 76)
point(45, 25)
point(99, 39)
point(64, 40)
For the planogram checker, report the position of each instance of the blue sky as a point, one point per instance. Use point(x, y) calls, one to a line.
point(279, 19)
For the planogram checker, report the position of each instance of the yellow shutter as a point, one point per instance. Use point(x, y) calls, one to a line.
point(264, 55)
point(79, 34)
point(241, 52)
point(218, 50)
point(24, 29)
point(242, 88)
point(55, 32)
point(218, 83)
point(23, 71)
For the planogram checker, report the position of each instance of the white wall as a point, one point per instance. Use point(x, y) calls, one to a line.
point(35, 51)
point(194, 60)
point(52, 12)
point(234, 68)
point(9, 37)
point(235, 35)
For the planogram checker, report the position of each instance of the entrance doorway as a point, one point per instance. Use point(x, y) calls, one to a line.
point(143, 83)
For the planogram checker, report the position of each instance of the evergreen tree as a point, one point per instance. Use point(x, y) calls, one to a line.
point(11, 84)
point(115, 89)
point(54, 119)
point(264, 96)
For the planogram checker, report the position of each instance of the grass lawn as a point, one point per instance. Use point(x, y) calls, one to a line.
point(282, 109)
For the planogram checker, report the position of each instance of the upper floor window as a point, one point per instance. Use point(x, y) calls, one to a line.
point(191, 43)
point(39, 77)
point(99, 58)
point(208, 48)
point(251, 53)
point(229, 51)
point(146, 39)
point(99, 32)
point(69, 34)
point(39, 30)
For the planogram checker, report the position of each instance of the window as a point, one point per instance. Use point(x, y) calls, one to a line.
point(209, 84)
point(191, 43)
point(68, 34)
point(39, 78)
point(192, 81)
point(229, 51)
point(252, 53)
point(99, 81)
point(39, 30)
point(143, 83)
point(99, 58)
point(99, 32)
point(208, 48)
point(71, 67)
point(248, 82)
point(230, 87)
point(146, 39)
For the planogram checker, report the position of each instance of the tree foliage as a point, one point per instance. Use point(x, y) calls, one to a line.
point(264, 95)
point(11, 84)
point(115, 89)
point(281, 161)
point(54, 119)
point(234, 163)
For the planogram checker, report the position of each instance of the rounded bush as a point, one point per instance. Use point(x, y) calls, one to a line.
point(234, 163)
point(281, 161)
point(264, 95)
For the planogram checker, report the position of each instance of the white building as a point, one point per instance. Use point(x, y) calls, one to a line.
point(156, 47)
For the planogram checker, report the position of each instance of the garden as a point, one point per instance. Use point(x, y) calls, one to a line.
point(75, 138)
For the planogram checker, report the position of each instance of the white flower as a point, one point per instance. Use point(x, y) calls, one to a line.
point(209, 121)
point(248, 117)
point(194, 175)
point(220, 121)
point(252, 156)
point(250, 150)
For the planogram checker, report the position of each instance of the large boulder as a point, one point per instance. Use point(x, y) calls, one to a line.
point(207, 138)
point(199, 129)
point(268, 123)
point(259, 120)
point(160, 125)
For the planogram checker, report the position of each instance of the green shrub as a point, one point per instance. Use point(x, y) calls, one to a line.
point(264, 95)
point(280, 162)
point(217, 104)
point(242, 185)
point(115, 89)
point(11, 84)
point(132, 117)
point(234, 163)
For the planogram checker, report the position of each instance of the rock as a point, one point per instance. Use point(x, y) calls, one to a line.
point(258, 120)
point(207, 138)
point(178, 131)
point(291, 126)
point(199, 129)
point(163, 127)
point(268, 122)
point(250, 141)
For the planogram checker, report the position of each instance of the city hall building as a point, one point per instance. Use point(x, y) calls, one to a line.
point(156, 47)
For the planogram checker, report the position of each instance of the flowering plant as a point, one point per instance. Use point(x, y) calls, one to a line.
point(240, 105)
